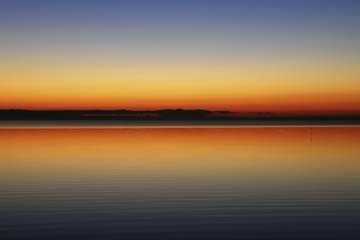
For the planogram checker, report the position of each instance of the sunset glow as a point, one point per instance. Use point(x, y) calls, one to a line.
point(216, 55)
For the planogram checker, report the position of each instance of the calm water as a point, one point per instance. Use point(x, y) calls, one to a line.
point(180, 183)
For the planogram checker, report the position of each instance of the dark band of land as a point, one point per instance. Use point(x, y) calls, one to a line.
point(168, 115)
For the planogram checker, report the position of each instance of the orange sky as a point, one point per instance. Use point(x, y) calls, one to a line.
point(242, 87)
point(116, 57)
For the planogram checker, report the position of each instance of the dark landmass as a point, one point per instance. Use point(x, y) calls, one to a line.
point(169, 115)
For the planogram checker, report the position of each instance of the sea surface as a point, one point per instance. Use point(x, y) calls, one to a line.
point(179, 182)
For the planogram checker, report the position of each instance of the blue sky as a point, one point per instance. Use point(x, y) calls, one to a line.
point(252, 45)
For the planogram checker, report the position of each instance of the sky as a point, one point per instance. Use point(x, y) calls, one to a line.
point(263, 55)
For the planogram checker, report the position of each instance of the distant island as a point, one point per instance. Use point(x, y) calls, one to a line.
point(169, 115)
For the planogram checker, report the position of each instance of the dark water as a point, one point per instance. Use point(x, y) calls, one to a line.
point(180, 183)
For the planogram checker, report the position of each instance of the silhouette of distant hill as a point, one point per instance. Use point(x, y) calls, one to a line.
point(164, 114)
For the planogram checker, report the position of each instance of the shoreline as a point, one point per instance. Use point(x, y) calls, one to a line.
point(174, 123)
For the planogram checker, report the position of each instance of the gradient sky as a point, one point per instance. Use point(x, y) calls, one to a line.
point(279, 55)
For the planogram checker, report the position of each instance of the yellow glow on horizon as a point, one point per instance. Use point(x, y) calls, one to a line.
point(233, 87)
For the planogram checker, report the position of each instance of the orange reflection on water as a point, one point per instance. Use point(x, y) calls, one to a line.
point(260, 153)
